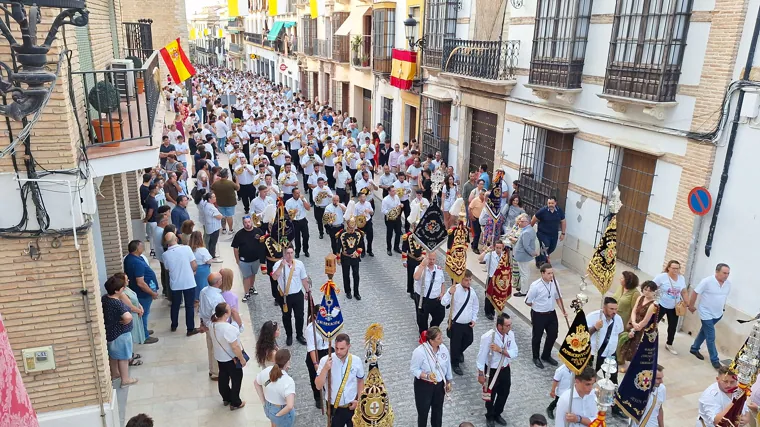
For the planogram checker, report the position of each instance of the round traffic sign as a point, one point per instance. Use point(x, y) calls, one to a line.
point(283, 67)
point(700, 201)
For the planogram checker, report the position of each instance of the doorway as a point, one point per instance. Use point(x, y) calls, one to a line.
point(482, 139)
point(410, 123)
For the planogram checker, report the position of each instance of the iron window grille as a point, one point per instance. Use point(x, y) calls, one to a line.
point(383, 37)
point(139, 38)
point(633, 174)
point(309, 38)
point(483, 139)
point(440, 24)
point(559, 43)
point(337, 96)
point(304, 78)
point(545, 161)
point(646, 49)
point(387, 119)
point(436, 123)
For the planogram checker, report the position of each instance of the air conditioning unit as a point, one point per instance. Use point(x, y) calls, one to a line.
point(125, 81)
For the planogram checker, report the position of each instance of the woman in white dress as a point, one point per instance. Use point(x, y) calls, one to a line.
point(278, 391)
point(450, 192)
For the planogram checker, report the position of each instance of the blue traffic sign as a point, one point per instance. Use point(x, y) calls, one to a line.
point(700, 201)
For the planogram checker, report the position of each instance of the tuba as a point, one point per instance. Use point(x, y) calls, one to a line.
point(361, 220)
point(329, 217)
point(395, 213)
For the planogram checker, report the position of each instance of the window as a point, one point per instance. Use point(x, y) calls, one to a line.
point(646, 49)
point(440, 24)
point(559, 43)
point(340, 44)
point(308, 40)
point(337, 96)
point(383, 37)
point(436, 120)
point(545, 162)
point(387, 120)
point(483, 139)
point(633, 174)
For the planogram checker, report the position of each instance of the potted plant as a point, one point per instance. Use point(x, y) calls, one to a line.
point(104, 98)
point(356, 43)
point(365, 61)
point(140, 82)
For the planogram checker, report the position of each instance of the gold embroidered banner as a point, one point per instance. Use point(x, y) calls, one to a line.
point(601, 268)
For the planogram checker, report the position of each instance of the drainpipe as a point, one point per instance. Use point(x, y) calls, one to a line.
point(732, 138)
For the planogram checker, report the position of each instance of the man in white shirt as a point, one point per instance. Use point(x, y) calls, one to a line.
point(292, 280)
point(403, 191)
point(413, 172)
point(713, 292)
point(347, 381)
point(366, 209)
point(421, 201)
point(583, 402)
point(491, 258)
point(462, 317)
point(541, 298)
point(386, 179)
point(604, 326)
point(209, 297)
point(342, 179)
point(392, 205)
point(654, 415)
point(497, 349)
point(299, 206)
point(288, 181)
point(260, 203)
point(717, 400)
point(364, 134)
point(221, 130)
point(561, 382)
point(182, 149)
point(429, 288)
point(245, 175)
point(179, 260)
point(309, 161)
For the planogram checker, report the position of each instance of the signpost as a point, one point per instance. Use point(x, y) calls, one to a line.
point(700, 201)
point(283, 67)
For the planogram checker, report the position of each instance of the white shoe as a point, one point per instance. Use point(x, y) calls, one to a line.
point(671, 350)
point(216, 260)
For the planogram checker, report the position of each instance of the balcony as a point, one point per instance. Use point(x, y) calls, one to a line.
point(361, 51)
point(324, 50)
point(129, 116)
point(307, 46)
point(236, 49)
point(253, 38)
point(236, 24)
point(474, 63)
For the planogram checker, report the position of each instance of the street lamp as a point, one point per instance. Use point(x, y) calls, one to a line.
point(410, 26)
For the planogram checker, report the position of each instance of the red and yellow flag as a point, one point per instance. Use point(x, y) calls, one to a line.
point(177, 62)
point(403, 68)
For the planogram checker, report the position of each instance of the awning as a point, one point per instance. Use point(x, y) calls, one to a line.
point(275, 31)
point(354, 18)
point(289, 24)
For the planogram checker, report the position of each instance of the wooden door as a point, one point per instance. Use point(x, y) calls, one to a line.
point(635, 184)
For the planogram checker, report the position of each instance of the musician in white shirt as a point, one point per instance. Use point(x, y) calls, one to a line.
point(245, 174)
point(288, 181)
point(260, 203)
point(366, 209)
point(431, 369)
point(429, 288)
point(280, 157)
point(404, 190)
point(654, 415)
point(338, 209)
point(316, 349)
point(342, 179)
point(462, 317)
point(583, 402)
point(392, 226)
point(292, 280)
point(347, 378)
point(541, 297)
point(299, 205)
point(421, 201)
point(497, 349)
point(310, 160)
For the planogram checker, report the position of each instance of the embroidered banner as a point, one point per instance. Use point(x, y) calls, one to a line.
point(329, 319)
point(456, 256)
point(500, 287)
point(633, 392)
point(575, 349)
point(601, 268)
point(431, 230)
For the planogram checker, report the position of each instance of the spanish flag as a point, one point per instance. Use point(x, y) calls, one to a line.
point(403, 68)
point(176, 61)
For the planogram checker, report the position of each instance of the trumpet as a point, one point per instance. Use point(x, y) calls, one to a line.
point(339, 159)
point(302, 151)
point(276, 154)
point(256, 160)
point(363, 149)
point(329, 152)
point(257, 181)
point(239, 170)
point(284, 178)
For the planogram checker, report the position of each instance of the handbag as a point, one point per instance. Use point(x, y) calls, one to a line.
point(680, 308)
point(238, 363)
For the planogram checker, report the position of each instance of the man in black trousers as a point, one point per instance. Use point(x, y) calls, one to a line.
point(541, 297)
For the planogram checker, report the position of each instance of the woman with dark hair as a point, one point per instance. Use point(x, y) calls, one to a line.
point(229, 354)
point(266, 344)
point(118, 326)
point(626, 295)
point(645, 309)
point(431, 367)
point(673, 287)
point(186, 230)
point(511, 211)
point(450, 192)
point(202, 259)
point(316, 349)
point(278, 391)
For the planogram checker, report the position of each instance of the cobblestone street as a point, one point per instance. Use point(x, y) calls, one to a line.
point(384, 300)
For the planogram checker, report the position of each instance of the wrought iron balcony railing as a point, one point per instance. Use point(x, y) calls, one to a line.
point(236, 48)
point(307, 46)
point(324, 50)
point(120, 104)
point(482, 59)
point(340, 49)
point(253, 38)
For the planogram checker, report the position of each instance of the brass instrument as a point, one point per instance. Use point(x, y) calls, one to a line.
point(400, 192)
point(292, 213)
point(339, 159)
point(276, 154)
point(329, 152)
point(395, 213)
point(364, 149)
point(361, 220)
point(257, 181)
point(329, 218)
point(321, 197)
point(303, 150)
point(239, 170)
point(256, 220)
point(233, 160)
point(283, 178)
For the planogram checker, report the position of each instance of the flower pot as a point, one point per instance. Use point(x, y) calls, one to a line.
point(140, 85)
point(356, 62)
point(106, 131)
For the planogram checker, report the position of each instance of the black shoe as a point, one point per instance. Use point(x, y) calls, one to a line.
point(298, 255)
point(490, 423)
point(500, 421)
point(457, 370)
point(174, 329)
point(550, 413)
point(289, 341)
point(348, 296)
point(321, 236)
point(697, 354)
point(306, 254)
point(518, 294)
point(150, 331)
point(476, 251)
point(372, 254)
point(301, 340)
point(318, 404)
point(358, 297)
point(397, 250)
point(489, 316)
point(193, 332)
point(716, 365)
point(364, 254)
point(390, 253)
point(538, 363)
point(550, 361)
